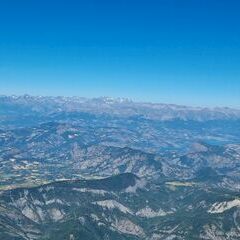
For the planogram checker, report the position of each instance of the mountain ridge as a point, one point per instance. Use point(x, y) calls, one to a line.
point(118, 106)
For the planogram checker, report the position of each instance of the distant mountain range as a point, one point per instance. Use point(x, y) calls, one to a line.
point(116, 107)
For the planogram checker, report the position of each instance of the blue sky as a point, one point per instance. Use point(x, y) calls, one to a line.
point(174, 51)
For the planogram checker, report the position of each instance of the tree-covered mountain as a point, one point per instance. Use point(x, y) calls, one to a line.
point(76, 168)
point(120, 207)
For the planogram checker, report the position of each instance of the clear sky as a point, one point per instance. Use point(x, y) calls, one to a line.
point(173, 51)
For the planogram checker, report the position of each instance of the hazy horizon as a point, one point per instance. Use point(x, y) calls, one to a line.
point(175, 52)
point(124, 98)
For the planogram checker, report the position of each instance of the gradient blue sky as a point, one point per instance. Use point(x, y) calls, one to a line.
point(175, 51)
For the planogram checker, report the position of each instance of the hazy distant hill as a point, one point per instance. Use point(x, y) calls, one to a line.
point(117, 107)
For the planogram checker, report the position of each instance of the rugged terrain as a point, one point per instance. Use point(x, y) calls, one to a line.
point(76, 168)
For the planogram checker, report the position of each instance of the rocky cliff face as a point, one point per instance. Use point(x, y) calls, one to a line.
point(119, 207)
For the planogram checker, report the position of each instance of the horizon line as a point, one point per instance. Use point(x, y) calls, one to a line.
point(127, 99)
